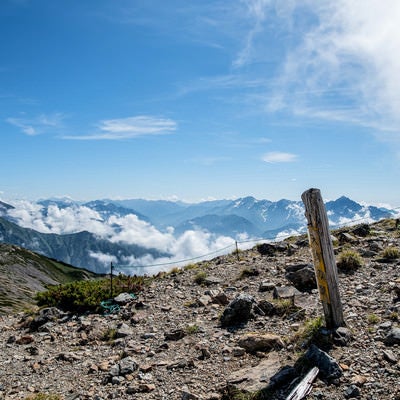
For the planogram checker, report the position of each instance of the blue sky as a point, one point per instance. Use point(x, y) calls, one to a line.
point(200, 99)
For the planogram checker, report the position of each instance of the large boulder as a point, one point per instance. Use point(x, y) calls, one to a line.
point(270, 249)
point(238, 310)
point(302, 277)
point(329, 369)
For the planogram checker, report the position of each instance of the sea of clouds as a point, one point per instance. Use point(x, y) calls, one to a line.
point(192, 245)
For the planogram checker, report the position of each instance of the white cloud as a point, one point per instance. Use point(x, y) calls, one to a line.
point(346, 65)
point(130, 127)
point(128, 229)
point(37, 125)
point(279, 157)
point(105, 259)
point(58, 220)
point(135, 231)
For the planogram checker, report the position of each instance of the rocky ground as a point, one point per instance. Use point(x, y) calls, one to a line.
point(220, 328)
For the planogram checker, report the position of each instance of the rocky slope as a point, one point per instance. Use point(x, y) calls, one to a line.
point(183, 338)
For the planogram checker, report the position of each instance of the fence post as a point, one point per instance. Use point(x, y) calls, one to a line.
point(237, 250)
point(323, 257)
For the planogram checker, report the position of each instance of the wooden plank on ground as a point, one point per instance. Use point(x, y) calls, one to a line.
point(304, 387)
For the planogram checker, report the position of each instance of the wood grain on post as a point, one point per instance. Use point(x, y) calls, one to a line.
point(324, 258)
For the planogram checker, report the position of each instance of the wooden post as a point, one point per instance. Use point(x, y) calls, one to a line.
point(324, 258)
point(237, 251)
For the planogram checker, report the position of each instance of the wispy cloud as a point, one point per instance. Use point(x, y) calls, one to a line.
point(352, 45)
point(128, 128)
point(279, 157)
point(37, 125)
point(256, 10)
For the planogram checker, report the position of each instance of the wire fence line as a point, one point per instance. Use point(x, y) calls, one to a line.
point(222, 251)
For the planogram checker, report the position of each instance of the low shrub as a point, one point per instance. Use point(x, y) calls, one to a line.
point(391, 253)
point(82, 296)
point(349, 261)
point(44, 396)
point(200, 277)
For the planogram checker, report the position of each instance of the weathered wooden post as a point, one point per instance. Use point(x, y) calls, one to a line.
point(324, 258)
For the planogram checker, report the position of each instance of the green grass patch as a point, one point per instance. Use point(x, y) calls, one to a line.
point(192, 329)
point(309, 333)
point(373, 319)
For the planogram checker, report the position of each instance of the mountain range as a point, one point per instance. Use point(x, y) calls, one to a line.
point(246, 215)
point(93, 234)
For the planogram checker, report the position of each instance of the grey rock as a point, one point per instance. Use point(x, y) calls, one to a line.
point(376, 246)
point(270, 249)
point(117, 380)
point(328, 368)
point(127, 366)
point(219, 298)
point(186, 395)
point(302, 278)
point(283, 376)
point(238, 351)
point(385, 325)
point(45, 315)
point(204, 300)
point(175, 334)
point(342, 336)
point(345, 237)
point(285, 292)
point(124, 330)
point(253, 342)
point(266, 286)
point(148, 335)
point(393, 337)
point(390, 356)
point(238, 310)
point(352, 392)
point(212, 280)
point(114, 370)
point(254, 379)
point(267, 307)
point(123, 298)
